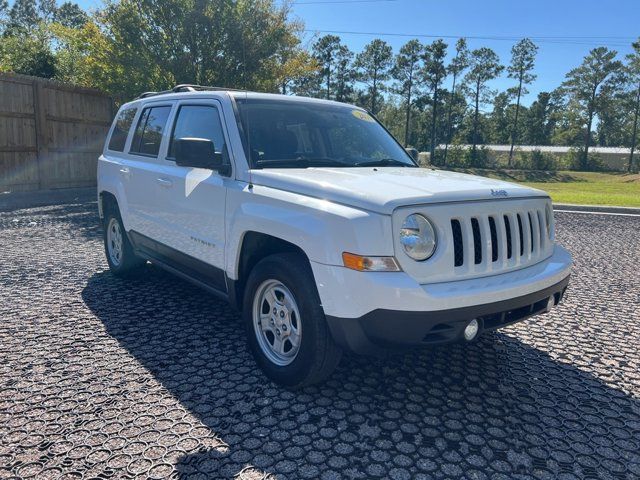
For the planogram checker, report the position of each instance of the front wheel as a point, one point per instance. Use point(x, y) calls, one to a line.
point(285, 324)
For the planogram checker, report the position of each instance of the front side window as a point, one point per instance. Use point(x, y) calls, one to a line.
point(198, 121)
point(298, 134)
point(149, 131)
point(121, 129)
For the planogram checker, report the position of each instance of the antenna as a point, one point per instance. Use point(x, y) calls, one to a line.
point(246, 109)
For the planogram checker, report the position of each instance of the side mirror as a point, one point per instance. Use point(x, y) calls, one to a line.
point(199, 153)
point(412, 152)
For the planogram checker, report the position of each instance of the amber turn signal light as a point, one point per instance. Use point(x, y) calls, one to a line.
point(370, 264)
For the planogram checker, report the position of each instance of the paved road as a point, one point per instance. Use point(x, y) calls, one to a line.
point(101, 376)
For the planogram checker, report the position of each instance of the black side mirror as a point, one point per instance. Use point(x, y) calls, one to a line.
point(412, 152)
point(199, 153)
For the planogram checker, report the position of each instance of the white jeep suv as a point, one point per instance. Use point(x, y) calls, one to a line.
point(310, 218)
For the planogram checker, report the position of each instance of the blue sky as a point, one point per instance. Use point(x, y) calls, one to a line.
point(606, 22)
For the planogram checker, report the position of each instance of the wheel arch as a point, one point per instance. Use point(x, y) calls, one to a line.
point(256, 246)
point(106, 198)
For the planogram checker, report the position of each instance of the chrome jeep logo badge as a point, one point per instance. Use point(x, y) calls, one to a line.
point(499, 193)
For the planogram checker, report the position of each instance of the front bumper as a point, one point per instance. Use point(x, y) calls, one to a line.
point(381, 329)
point(368, 310)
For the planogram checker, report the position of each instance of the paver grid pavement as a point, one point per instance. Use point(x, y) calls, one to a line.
point(102, 377)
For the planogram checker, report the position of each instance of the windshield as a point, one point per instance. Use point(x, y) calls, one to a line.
point(290, 134)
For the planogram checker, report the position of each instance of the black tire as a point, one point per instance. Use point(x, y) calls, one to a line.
point(129, 263)
point(318, 355)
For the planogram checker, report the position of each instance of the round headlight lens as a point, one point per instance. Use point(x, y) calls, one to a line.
point(418, 237)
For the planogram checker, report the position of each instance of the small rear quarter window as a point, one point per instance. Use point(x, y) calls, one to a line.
point(121, 129)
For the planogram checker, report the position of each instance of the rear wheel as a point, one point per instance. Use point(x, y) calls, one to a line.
point(120, 255)
point(285, 324)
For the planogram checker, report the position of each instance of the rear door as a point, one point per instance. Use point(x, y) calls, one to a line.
point(140, 170)
point(112, 168)
point(194, 198)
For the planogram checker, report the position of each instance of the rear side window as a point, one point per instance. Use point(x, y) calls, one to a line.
point(149, 131)
point(121, 129)
point(198, 121)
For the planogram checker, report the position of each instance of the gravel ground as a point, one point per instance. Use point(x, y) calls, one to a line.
point(102, 377)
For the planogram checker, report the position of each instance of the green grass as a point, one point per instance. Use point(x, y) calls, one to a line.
point(581, 188)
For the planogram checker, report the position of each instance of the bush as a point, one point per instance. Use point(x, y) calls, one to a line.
point(535, 160)
point(483, 158)
point(457, 157)
point(462, 157)
point(438, 158)
point(569, 160)
point(595, 163)
point(572, 160)
point(542, 161)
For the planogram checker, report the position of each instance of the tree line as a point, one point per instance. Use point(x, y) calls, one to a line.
point(431, 96)
point(428, 100)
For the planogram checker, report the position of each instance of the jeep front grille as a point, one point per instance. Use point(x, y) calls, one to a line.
point(478, 239)
point(498, 239)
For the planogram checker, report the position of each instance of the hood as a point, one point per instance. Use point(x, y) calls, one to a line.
point(383, 189)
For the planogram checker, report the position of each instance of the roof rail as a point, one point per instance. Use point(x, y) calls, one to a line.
point(146, 94)
point(187, 87)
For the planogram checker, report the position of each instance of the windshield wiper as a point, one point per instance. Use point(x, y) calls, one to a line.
point(382, 162)
point(301, 162)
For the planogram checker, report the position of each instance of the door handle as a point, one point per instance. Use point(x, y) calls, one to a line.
point(164, 182)
point(125, 172)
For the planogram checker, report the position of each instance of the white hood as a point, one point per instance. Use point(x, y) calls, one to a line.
point(382, 189)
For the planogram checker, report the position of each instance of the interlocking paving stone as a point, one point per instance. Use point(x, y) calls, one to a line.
point(108, 378)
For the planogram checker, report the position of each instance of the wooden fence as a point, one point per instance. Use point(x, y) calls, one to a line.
point(51, 135)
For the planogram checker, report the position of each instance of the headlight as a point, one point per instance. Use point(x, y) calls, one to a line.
point(418, 237)
point(549, 221)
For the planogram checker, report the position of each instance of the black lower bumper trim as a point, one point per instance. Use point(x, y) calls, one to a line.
point(390, 329)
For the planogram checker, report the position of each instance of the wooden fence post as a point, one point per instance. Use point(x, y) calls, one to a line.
point(42, 146)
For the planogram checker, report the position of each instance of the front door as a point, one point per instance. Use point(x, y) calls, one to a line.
point(194, 198)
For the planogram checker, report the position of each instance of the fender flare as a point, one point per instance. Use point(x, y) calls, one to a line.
point(118, 193)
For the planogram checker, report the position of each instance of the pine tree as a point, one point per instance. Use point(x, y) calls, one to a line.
point(71, 15)
point(633, 75)
point(484, 66)
point(47, 10)
point(405, 71)
point(4, 10)
point(434, 72)
point(539, 121)
point(458, 65)
point(523, 55)
point(583, 86)
point(326, 50)
point(23, 17)
point(345, 75)
point(373, 65)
